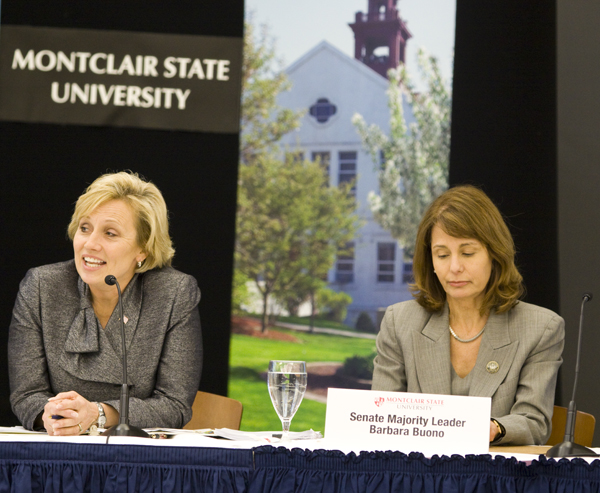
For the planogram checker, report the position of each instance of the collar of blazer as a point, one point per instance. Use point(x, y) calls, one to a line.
point(92, 353)
point(432, 355)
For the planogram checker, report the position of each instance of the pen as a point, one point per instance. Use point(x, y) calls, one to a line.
point(56, 416)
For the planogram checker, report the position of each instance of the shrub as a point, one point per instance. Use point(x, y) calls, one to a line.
point(359, 366)
point(334, 304)
point(365, 324)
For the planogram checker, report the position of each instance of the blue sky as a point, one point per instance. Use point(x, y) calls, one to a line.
point(298, 26)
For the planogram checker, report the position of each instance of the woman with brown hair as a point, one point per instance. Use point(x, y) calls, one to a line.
point(466, 332)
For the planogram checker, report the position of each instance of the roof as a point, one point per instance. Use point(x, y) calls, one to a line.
point(326, 47)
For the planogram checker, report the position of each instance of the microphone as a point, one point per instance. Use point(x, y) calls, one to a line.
point(568, 447)
point(123, 428)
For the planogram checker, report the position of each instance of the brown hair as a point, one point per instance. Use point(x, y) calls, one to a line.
point(149, 209)
point(467, 212)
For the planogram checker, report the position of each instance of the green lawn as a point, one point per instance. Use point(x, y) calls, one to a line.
point(250, 357)
point(318, 322)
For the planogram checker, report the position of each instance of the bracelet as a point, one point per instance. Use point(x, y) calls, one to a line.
point(502, 433)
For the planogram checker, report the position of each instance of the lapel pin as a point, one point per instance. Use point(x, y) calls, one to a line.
point(492, 367)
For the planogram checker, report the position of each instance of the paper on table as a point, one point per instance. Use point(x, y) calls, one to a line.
point(265, 436)
point(237, 435)
point(19, 430)
point(173, 432)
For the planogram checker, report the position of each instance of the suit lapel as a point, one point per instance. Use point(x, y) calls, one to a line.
point(432, 355)
point(88, 354)
point(496, 346)
point(92, 353)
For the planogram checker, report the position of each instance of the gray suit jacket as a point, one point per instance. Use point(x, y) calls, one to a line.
point(413, 355)
point(56, 344)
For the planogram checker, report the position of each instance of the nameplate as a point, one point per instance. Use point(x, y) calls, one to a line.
point(427, 423)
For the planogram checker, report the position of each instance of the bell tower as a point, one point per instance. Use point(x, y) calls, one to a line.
point(380, 36)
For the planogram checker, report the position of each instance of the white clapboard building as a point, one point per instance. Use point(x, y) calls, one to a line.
point(331, 87)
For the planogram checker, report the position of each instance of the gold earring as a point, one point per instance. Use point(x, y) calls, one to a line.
point(139, 264)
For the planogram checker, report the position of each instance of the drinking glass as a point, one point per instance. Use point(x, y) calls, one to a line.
point(287, 384)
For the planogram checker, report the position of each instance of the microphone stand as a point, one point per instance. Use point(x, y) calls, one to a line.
point(123, 428)
point(568, 447)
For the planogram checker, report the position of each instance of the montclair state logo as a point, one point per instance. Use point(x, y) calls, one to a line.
point(379, 401)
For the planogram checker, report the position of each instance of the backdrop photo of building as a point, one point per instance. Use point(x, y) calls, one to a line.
point(331, 87)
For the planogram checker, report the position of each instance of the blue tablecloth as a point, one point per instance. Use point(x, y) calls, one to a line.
point(281, 470)
point(67, 467)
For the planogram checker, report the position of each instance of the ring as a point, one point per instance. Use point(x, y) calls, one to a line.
point(80, 428)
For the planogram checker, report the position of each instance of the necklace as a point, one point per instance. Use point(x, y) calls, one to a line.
point(460, 339)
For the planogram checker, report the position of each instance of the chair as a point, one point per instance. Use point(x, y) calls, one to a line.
point(215, 411)
point(584, 427)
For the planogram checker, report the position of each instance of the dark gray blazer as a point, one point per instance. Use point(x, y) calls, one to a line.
point(413, 355)
point(56, 344)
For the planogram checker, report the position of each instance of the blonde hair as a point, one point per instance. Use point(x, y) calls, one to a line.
point(149, 209)
point(467, 212)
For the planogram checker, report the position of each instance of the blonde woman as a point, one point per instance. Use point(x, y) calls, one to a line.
point(64, 349)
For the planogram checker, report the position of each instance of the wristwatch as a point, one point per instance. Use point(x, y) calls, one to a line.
point(501, 429)
point(101, 421)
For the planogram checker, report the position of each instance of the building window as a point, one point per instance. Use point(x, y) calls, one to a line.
point(324, 157)
point(344, 267)
point(407, 273)
point(386, 260)
point(323, 110)
point(348, 169)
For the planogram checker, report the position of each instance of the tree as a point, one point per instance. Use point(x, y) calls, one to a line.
point(416, 157)
point(290, 224)
point(239, 292)
point(263, 122)
point(335, 302)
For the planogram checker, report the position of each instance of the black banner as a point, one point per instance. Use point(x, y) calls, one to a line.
point(117, 78)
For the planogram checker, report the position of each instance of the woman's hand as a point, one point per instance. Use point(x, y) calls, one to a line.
point(77, 413)
point(494, 431)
